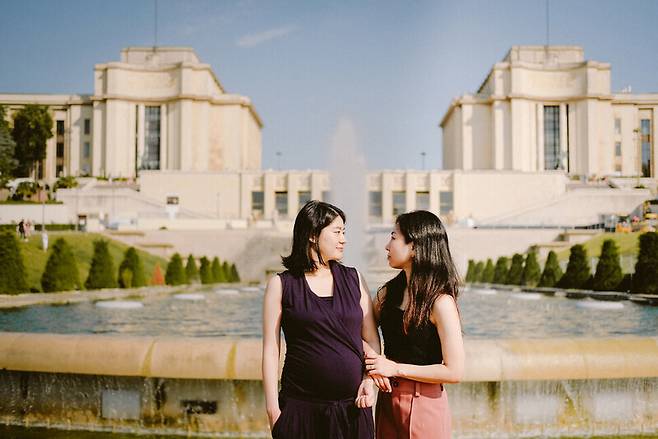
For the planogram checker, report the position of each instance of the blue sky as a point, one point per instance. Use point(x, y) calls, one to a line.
point(390, 67)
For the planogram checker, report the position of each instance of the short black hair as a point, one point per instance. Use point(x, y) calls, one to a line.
point(311, 219)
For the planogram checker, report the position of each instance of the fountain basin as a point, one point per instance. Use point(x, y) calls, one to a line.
point(521, 388)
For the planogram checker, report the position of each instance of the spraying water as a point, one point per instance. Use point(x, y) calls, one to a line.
point(348, 189)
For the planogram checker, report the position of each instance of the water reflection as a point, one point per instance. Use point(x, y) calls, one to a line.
point(485, 314)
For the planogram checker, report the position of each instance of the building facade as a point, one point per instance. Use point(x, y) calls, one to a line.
point(155, 109)
point(547, 108)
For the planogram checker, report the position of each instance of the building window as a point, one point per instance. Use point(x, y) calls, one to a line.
point(281, 203)
point(445, 202)
point(257, 204)
point(86, 150)
point(326, 196)
point(303, 197)
point(375, 204)
point(59, 159)
point(618, 167)
point(422, 201)
point(617, 125)
point(399, 203)
point(552, 137)
point(87, 126)
point(618, 149)
point(151, 156)
point(645, 140)
point(60, 127)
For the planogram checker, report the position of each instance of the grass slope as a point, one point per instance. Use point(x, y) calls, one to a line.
point(82, 245)
point(627, 243)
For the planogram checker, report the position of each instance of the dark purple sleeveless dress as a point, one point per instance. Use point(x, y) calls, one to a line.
point(323, 367)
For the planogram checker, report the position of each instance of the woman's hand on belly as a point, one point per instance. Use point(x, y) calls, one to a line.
point(365, 396)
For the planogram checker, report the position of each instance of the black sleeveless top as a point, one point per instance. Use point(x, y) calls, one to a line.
point(421, 346)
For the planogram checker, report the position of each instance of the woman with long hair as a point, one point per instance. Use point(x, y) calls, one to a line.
point(420, 322)
point(326, 314)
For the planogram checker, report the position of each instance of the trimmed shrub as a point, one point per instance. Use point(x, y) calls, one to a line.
point(217, 272)
point(61, 272)
point(500, 272)
point(608, 273)
point(626, 284)
point(226, 269)
point(235, 277)
point(488, 273)
point(12, 269)
point(470, 271)
point(175, 273)
point(531, 271)
point(578, 271)
point(477, 271)
point(132, 263)
point(645, 279)
point(157, 278)
point(191, 271)
point(101, 272)
point(205, 272)
point(515, 271)
point(552, 271)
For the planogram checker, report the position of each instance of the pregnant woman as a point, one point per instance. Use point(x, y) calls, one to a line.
point(418, 314)
point(326, 314)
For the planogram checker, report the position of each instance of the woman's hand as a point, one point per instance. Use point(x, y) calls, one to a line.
point(273, 416)
point(383, 383)
point(365, 397)
point(380, 365)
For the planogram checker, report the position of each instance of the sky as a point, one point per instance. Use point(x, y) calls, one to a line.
point(390, 68)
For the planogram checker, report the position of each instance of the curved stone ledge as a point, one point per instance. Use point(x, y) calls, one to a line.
point(240, 359)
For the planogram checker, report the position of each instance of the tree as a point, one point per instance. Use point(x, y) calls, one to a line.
point(175, 274)
point(515, 271)
point(132, 264)
point(608, 273)
point(531, 271)
point(578, 271)
point(500, 272)
point(645, 279)
point(552, 271)
point(205, 273)
point(101, 272)
point(217, 272)
point(488, 273)
point(191, 271)
point(66, 182)
point(12, 269)
point(157, 278)
point(33, 126)
point(7, 147)
point(235, 277)
point(226, 269)
point(61, 272)
point(477, 271)
point(470, 271)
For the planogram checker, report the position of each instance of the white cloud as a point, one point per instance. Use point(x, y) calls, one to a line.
point(252, 40)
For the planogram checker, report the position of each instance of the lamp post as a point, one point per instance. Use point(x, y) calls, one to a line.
point(278, 160)
point(422, 159)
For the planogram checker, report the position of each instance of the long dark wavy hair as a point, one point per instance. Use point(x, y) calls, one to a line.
point(311, 219)
point(433, 272)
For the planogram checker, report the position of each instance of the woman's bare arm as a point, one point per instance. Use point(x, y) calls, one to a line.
point(272, 346)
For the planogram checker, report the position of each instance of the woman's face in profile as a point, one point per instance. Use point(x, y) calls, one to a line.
point(332, 240)
point(398, 252)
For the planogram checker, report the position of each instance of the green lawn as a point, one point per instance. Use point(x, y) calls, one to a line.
point(627, 243)
point(82, 245)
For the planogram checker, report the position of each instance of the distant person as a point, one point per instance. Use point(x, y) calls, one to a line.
point(21, 229)
point(28, 229)
point(326, 313)
point(420, 322)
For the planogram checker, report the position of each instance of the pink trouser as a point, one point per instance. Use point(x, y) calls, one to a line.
point(413, 410)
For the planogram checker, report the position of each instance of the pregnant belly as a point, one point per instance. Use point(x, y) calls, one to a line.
point(322, 373)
